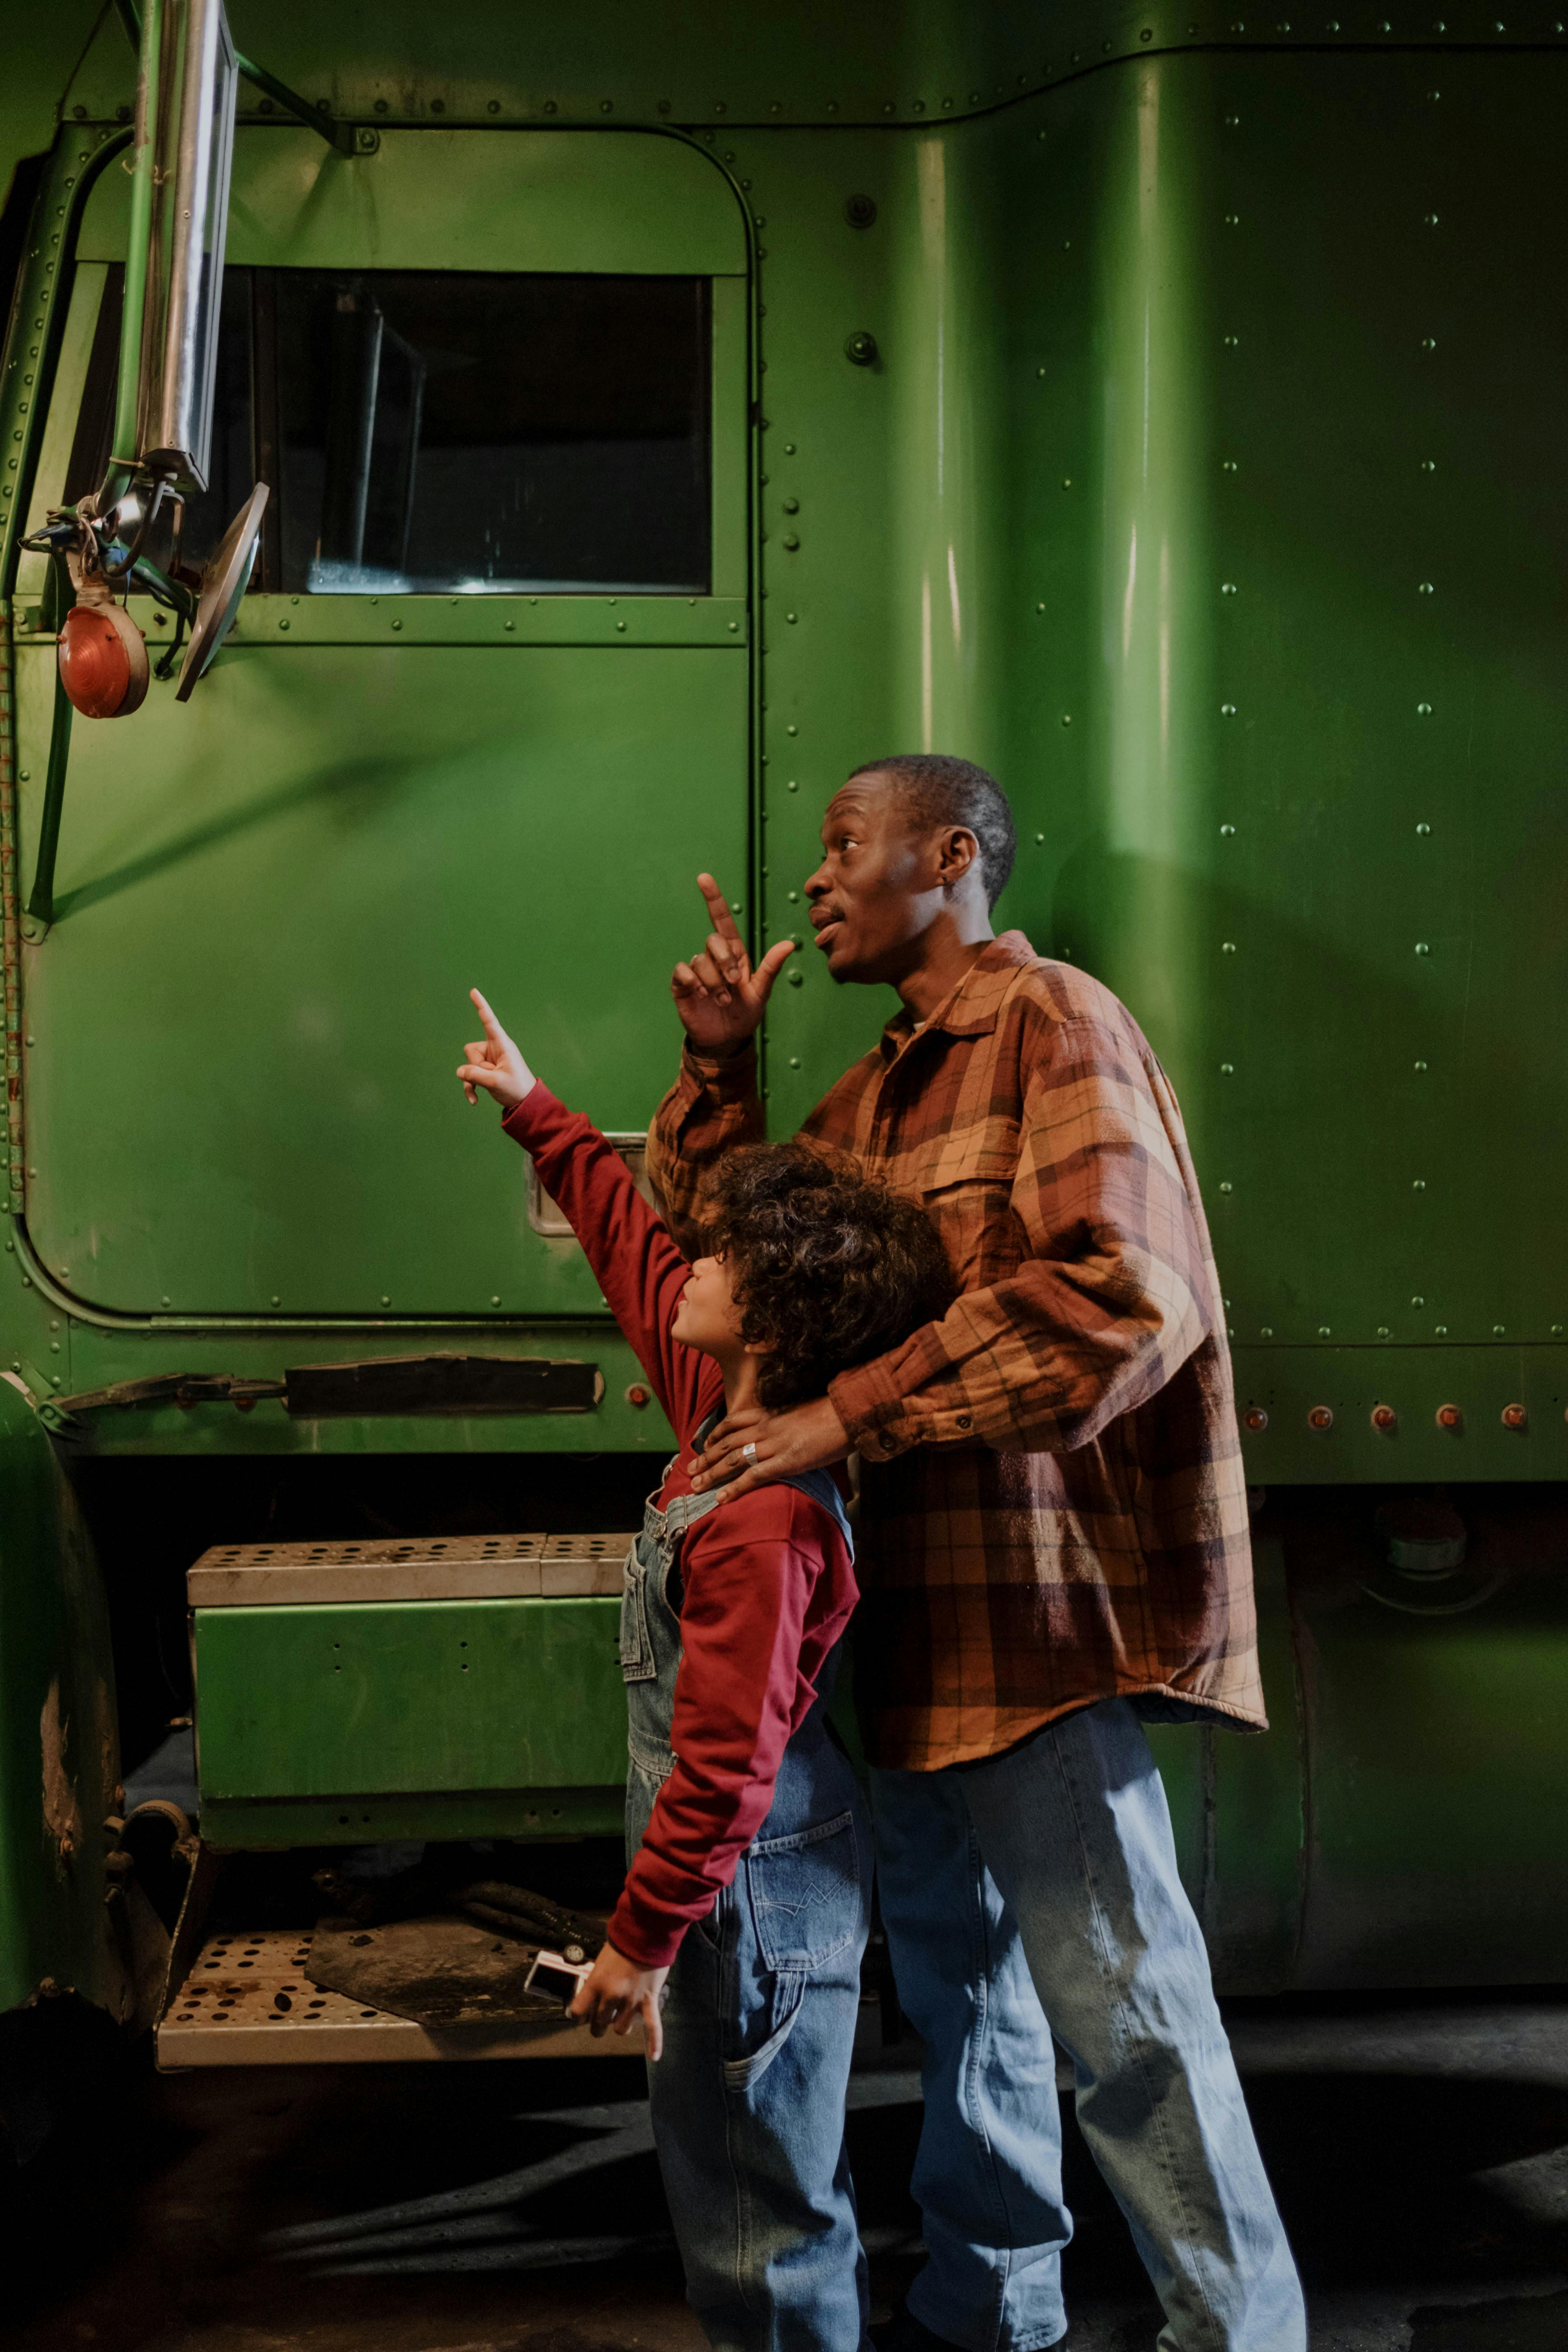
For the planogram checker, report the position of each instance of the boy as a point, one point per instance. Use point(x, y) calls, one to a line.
point(738, 1936)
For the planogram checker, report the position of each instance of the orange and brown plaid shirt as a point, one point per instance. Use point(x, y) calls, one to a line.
point(1052, 1503)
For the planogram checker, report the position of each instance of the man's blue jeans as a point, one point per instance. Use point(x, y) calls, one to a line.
point(1041, 1885)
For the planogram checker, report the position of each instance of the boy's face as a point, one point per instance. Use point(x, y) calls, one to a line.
point(708, 1316)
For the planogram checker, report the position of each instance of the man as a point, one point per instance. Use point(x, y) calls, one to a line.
point(1053, 1527)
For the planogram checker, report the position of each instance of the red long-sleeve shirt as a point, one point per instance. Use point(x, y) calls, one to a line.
point(767, 1581)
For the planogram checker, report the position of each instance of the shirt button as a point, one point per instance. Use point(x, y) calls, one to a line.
point(888, 1443)
point(963, 1420)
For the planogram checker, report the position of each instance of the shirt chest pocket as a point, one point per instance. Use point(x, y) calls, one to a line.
point(967, 1187)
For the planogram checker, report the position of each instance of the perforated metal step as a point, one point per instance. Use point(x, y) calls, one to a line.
point(248, 2002)
point(433, 1568)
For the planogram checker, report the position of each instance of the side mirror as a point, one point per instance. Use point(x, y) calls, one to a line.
point(187, 80)
point(186, 84)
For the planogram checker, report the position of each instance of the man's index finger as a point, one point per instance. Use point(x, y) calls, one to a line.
point(719, 908)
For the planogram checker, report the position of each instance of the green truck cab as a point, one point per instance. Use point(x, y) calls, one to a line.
point(657, 420)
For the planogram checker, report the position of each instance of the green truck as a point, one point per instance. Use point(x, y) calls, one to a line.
point(660, 413)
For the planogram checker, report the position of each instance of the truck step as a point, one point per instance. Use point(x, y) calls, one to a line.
point(415, 1567)
point(248, 2002)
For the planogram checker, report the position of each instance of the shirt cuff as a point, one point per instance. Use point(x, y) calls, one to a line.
point(875, 1416)
point(535, 1110)
point(730, 1079)
point(647, 1942)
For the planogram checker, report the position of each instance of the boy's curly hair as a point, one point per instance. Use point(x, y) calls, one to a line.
point(830, 1268)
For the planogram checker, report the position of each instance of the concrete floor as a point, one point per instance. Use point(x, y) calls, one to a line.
point(1420, 2155)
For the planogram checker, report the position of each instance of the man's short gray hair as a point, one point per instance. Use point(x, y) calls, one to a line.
point(935, 788)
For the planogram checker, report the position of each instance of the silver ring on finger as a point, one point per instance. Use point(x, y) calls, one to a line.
point(748, 1453)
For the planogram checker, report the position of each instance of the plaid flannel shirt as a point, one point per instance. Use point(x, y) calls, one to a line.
point(1052, 1508)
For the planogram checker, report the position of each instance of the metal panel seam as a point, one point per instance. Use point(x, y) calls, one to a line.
point(9, 924)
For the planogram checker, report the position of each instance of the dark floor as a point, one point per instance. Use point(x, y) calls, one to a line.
point(1420, 2154)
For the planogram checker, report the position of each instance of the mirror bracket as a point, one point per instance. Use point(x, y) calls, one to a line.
point(339, 135)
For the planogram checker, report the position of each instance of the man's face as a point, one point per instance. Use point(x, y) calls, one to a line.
point(876, 891)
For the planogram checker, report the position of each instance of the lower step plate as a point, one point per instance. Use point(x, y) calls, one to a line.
point(248, 2002)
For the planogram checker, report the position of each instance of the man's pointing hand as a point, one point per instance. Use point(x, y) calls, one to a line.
point(719, 997)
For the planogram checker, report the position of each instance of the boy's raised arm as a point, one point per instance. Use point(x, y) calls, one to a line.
point(637, 1264)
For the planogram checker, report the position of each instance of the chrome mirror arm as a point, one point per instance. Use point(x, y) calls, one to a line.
point(340, 135)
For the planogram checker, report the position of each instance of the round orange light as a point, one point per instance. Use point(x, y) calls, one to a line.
point(103, 661)
point(1449, 1416)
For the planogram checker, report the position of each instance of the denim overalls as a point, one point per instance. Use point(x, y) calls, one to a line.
point(748, 2099)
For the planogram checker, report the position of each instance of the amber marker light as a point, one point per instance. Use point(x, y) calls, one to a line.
point(1514, 1416)
point(1321, 1417)
point(1385, 1417)
point(1255, 1418)
point(1449, 1416)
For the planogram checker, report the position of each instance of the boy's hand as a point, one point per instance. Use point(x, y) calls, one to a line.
point(719, 997)
point(618, 1991)
point(494, 1063)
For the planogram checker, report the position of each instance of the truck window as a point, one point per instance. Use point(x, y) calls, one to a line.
point(451, 432)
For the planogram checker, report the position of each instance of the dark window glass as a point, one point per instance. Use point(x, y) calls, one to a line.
point(452, 431)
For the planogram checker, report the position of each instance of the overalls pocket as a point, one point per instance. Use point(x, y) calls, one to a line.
point(637, 1664)
point(806, 1895)
point(806, 1906)
point(740, 2075)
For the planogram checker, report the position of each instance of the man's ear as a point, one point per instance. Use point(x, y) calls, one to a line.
point(958, 855)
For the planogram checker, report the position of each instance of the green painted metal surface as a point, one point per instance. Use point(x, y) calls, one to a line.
point(1437, 1840)
point(1155, 356)
point(440, 199)
point(1017, 532)
point(884, 64)
point(344, 820)
point(408, 1698)
point(335, 860)
point(1238, 1807)
point(528, 1816)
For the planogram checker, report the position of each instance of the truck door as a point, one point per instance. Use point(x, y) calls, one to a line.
point(485, 713)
